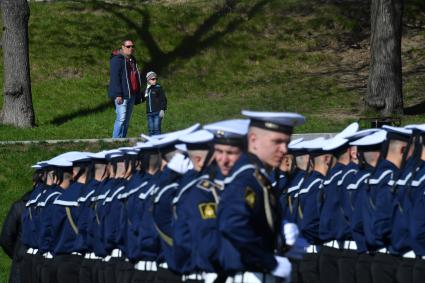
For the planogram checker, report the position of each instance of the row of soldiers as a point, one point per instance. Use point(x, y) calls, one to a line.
point(219, 204)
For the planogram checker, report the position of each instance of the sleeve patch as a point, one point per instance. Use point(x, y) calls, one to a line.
point(208, 210)
point(250, 197)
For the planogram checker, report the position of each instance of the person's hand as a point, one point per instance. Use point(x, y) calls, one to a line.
point(283, 267)
point(291, 232)
point(180, 163)
point(161, 114)
point(118, 100)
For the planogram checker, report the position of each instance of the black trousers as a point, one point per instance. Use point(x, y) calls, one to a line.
point(328, 264)
point(364, 268)
point(347, 266)
point(110, 270)
point(309, 268)
point(164, 275)
point(405, 270)
point(419, 271)
point(295, 272)
point(143, 276)
point(49, 271)
point(124, 271)
point(68, 268)
point(89, 271)
point(384, 268)
point(30, 268)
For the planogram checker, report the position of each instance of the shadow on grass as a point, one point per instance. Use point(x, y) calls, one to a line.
point(190, 45)
point(415, 109)
point(60, 120)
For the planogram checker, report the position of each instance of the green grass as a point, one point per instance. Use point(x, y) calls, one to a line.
point(212, 63)
point(276, 55)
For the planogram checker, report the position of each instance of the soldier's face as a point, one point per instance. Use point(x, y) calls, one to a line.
point(270, 147)
point(226, 157)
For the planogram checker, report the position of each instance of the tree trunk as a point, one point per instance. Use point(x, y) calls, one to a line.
point(385, 93)
point(17, 104)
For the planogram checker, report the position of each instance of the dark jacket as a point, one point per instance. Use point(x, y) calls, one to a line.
point(10, 239)
point(155, 99)
point(119, 83)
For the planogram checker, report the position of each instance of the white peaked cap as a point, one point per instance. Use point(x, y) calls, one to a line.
point(275, 121)
point(229, 128)
point(373, 139)
point(334, 143)
point(348, 131)
point(418, 127)
point(295, 142)
point(200, 136)
point(172, 137)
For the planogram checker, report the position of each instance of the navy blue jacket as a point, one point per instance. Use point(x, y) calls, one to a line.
point(330, 210)
point(248, 233)
point(348, 200)
point(307, 207)
point(287, 198)
point(358, 191)
point(377, 207)
point(119, 81)
point(185, 223)
point(66, 211)
point(29, 218)
point(401, 210)
point(417, 219)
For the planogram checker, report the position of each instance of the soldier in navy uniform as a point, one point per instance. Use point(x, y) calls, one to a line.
point(175, 165)
point(416, 195)
point(89, 265)
point(306, 207)
point(401, 240)
point(66, 255)
point(248, 213)
point(142, 246)
point(32, 258)
point(331, 213)
point(196, 232)
point(377, 210)
point(111, 209)
point(348, 198)
point(369, 148)
point(62, 176)
point(184, 246)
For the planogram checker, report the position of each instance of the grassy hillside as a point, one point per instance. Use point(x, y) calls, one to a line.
point(213, 60)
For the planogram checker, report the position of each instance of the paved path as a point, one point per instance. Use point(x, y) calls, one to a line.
point(307, 136)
